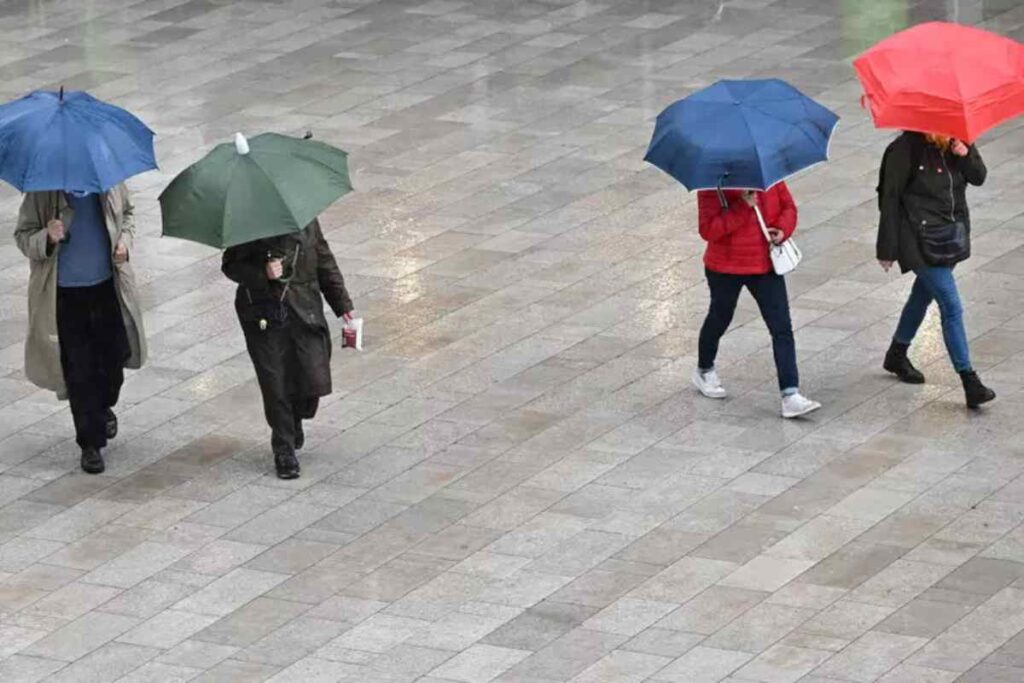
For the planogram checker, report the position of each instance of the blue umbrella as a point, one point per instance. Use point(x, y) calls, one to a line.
point(740, 134)
point(71, 141)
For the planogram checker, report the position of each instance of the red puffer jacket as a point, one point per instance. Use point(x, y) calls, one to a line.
point(736, 244)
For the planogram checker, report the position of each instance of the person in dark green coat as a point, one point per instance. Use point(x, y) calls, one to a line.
point(282, 284)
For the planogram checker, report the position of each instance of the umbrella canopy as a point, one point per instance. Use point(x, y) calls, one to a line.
point(71, 141)
point(741, 134)
point(250, 189)
point(943, 78)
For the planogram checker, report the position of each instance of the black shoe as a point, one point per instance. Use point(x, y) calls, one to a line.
point(975, 392)
point(287, 466)
point(300, 435)
point(92, 461)
point(111, 424)
point(897, 363)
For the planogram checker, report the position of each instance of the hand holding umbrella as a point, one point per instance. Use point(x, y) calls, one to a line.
point(275, 269)
point(55, 231)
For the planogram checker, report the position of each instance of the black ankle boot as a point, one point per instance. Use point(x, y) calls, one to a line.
point(92, 461)
point(111, 424)
point(287, 465)
point(897, 363)
point(975, 392)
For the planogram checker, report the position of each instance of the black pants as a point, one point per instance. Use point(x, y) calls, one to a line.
point(93, 351)
point(273, 354)
point(769, 291)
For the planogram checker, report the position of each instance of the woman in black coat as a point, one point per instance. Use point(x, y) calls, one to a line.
point(279, 305)
point(923, 184)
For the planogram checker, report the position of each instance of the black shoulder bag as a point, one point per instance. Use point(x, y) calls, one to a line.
point(949, 243)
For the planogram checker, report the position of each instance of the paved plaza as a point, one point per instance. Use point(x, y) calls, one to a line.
point(515, 481)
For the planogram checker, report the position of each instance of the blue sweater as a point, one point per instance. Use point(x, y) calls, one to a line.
point(84, 259)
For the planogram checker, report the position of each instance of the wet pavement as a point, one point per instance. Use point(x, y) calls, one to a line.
point(515, 480)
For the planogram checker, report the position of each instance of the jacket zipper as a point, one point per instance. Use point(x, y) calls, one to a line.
point(952, 196)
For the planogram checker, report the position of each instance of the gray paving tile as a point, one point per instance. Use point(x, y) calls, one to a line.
point(479, 663)
point(870, 656)
point(514, 481)
point(29, 669)
point(108, 663)
point(568, 655)
point(703, 664)
point(81, 636)
point(230, 592)
point(539, 625)
point(242, 627)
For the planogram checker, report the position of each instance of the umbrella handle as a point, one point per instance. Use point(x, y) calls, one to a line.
point(67, 233)
point(721, 193)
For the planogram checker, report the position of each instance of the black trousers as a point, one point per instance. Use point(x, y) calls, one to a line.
point(273, 353)
point(93, 351)
point(769, 291)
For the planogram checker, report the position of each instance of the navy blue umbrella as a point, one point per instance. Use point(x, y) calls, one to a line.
point(740, 134)
point(71, 141)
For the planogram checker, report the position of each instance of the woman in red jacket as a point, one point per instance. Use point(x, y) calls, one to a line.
point(737, 257)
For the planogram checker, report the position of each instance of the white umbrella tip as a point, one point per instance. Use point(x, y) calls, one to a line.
point(241, 144)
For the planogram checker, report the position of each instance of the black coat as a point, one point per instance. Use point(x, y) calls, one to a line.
point(921, 185)
point(312, 276)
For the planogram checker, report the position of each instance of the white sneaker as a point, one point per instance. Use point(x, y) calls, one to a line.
point(797, 405)
point(708, 383)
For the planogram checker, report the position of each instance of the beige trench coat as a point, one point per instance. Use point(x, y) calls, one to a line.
point(42, 351)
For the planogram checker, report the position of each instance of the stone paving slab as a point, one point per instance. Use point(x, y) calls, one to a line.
point(514, 481)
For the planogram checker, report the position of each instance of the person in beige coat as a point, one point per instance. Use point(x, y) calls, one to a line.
point(84, 319)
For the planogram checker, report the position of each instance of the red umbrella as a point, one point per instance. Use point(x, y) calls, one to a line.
point(943, 78)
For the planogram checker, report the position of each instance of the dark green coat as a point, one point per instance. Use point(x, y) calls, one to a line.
point(312, 276)
point(921, 186)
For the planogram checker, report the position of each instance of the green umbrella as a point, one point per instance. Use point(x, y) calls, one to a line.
point(268, 186)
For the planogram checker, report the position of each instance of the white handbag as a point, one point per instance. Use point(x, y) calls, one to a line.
point(786, 256)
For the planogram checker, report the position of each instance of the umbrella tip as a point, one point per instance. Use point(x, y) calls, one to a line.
point(241, 144)
point(61, 95)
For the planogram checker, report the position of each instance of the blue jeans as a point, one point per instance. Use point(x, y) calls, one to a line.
point(769, 291)
point(936, 283)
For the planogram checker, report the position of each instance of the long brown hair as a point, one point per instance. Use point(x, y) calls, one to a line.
point(941, 141)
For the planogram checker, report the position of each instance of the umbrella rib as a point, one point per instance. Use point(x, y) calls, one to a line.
point(106, 114)
point(276, 190)
point(224, 204)
point(36, 151)
point(789, 123)
point(753, 140)
point(318, 162)
point(92, 163)
point(314, 160)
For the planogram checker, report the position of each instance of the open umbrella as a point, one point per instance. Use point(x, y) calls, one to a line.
point(740, 134)
point(251, 189)
point(943, 78)
point(71, 141)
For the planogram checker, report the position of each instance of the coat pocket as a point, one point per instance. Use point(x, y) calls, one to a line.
point(265, 313)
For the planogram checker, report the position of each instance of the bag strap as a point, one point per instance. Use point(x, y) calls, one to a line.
point(764, 228)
